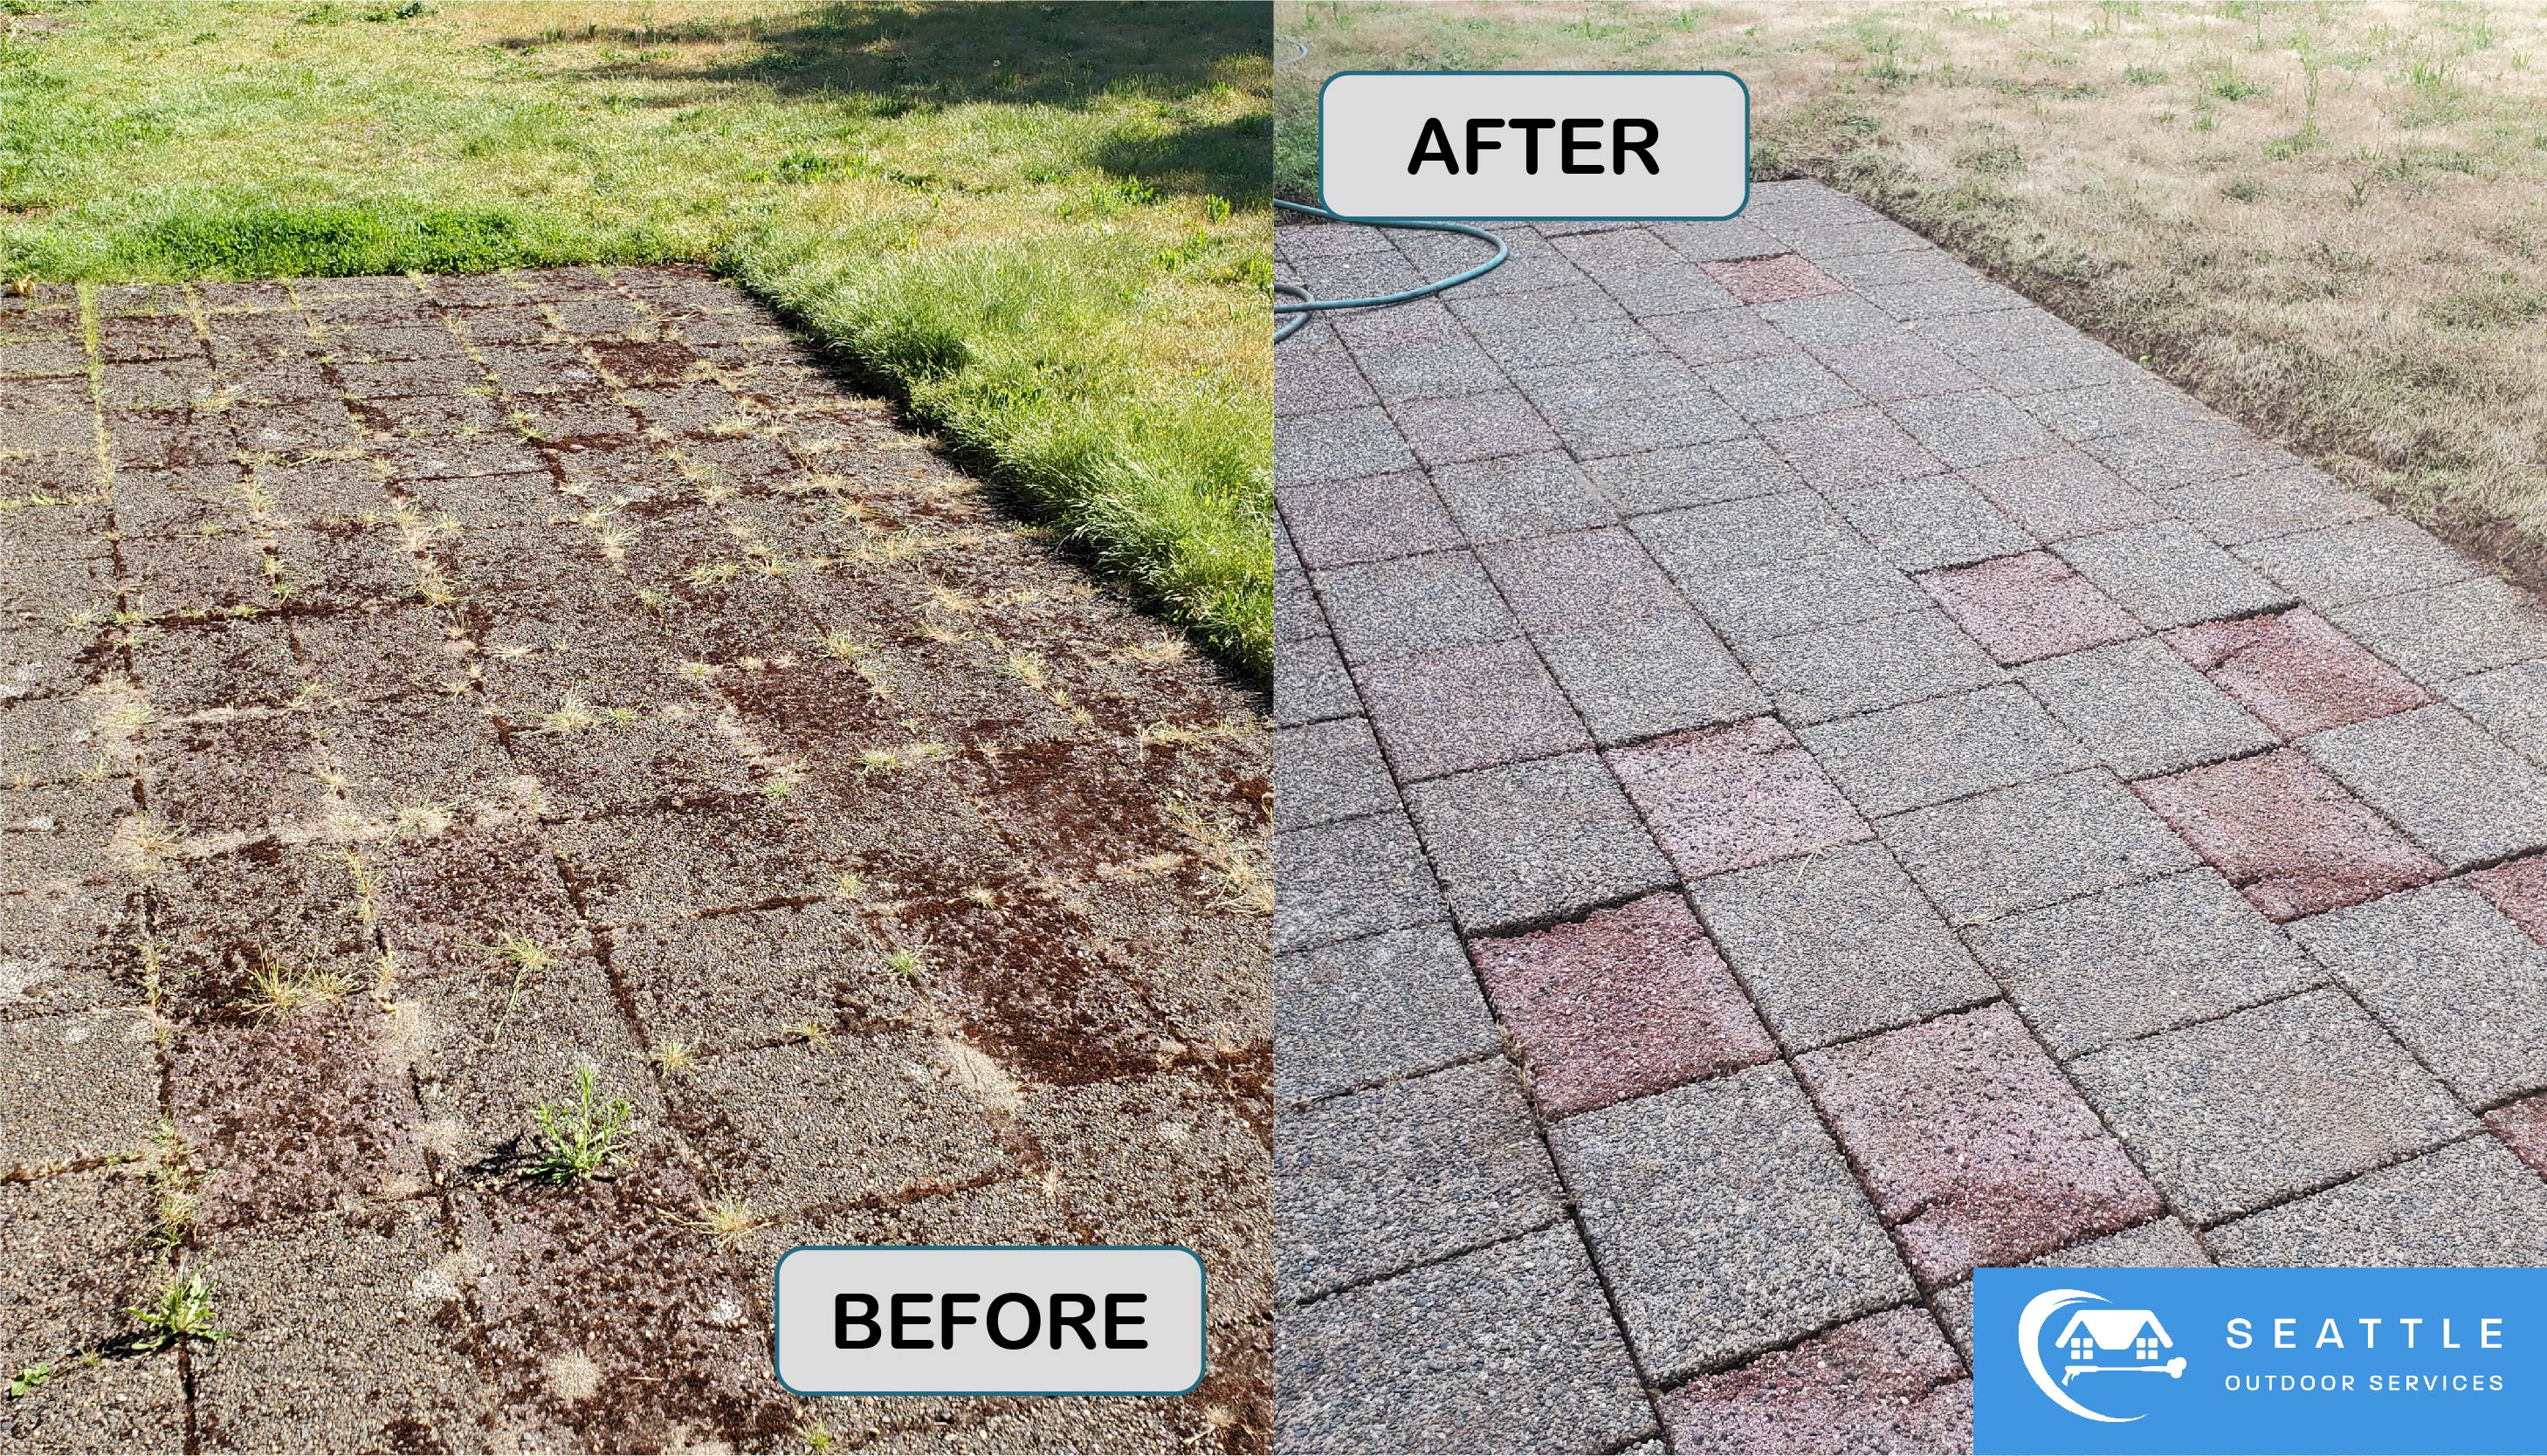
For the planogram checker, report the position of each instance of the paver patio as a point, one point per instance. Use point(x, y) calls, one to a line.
point(413, 689)
point(1914, 792)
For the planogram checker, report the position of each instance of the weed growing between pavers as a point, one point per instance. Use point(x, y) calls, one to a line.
point(182, 1311)
point(582, 1138)
point(1044, 233)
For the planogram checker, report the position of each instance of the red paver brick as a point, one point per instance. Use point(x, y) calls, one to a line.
point(2026, 608)
point(1976, 1149)
point(1629, 1001)
point(2296, 671)
point(1889, 1382)
point(2520, 890)
point(2522, 1126)
point(1730, 797)
point(2292, 839)
point(1773, 280)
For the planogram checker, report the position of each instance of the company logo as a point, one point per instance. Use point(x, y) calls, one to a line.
point(2093, 1341)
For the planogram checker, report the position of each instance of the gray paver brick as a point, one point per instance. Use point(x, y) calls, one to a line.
point(1931, 521)
point(1692, 474)
point(1587, 578)
point(1586, 402)
point(1833, 320)
point(1510, 1347)
point(1467, 427)
point(1526, 495)
point(2510, 702)
point(1445, 364)
point(1405, 1174)
point(1343, 522)
point(1718, 336)
point(1641, 680)
point(2451, 976)
point(1838, 945)
point(1536, 841)
point(1310, 682)
point(2162, 1245)
point(1850, 446)
point(2471, 1204)
point(2358, 561)
point(2449, 632)
point(1328, 771)
point(2168, 575)
point(1901, 369)
point(1944, 748)
point(2268, 503)
point(1704, 542)
point(2063, 496)
point(1414, 604)
point(2171, 455)
point(1338, 446)
point(1342, 880)
point(1782, 598)
point(1469, 708)
point(1763, 1242)
point(1359, 1011)
point(2142, 708)
point(1777, 386)
point(1973, 428)
point(1858, 667)
point(2031, 844)
point(2455, 789)
point(2139, 959)
point(2231, 1115)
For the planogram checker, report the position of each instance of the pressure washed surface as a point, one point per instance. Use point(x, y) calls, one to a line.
point(415, 692)
point(1804, 776)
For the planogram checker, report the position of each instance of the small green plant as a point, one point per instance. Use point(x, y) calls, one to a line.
point(183, 1310)
point(528, 958)
point(905, 962)
point(24, 1383)
point(582, 1138)
point(278, 989)
point(675, 1058)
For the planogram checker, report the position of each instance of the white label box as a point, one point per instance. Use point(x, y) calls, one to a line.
point(1404, 145)
point(1014, 1321)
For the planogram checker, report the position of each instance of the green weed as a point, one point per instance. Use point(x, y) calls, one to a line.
point(582, 1138)
point(182, 1311)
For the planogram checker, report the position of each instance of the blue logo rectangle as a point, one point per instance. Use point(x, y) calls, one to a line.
point(2260, 1360)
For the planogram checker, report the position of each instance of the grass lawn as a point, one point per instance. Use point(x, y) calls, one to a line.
point(2327, 219)
point(1043, 227)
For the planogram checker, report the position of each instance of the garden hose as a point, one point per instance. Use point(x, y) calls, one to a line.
point(1304, 305)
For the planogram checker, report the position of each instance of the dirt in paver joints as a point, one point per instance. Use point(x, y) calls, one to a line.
point(449, 723)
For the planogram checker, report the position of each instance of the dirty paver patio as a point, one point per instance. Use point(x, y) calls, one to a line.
point(413, 690)
point(1803, 776)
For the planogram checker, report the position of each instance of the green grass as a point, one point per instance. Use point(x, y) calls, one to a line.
point(1041, 228)
point(582, 1136)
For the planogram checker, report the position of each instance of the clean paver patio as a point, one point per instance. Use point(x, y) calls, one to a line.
point(1896, 788)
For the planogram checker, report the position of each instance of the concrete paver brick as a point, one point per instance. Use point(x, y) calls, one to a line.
point(2356, 562)
point(2032, 844)
point(1532, 842)
point(1310, 683)
point(1469, 708)
point(1445, 364)
point(1903, 370)
point(2296, 671)
point(1511, 1345)
point(1944, 748)
point(1639, 680)
point(1838, 944)
point(1772, 280)
point(1467, 427)
point(1673, 406)
point(1976, 427)
point(1407, 1174)
point(1931, 521)
point(2022, 608)
point(1587, 578)
point(2518, 889)
point(1716, 336)
point(2292, 839)
point(1524, 496)
point(1349, 879)
point(1849, 448)
point(1338, 445)
point(2451, 631)
point(1777, 386)
point(2468, 1205)
point(1413, 604)
point(1763, 1242)
point(1359, 1011)
point(1624, 1003)
point(2458, 792)
point(2511, 702)
point(2522, 1126)
point(2174, 454)
point(1832, 319)
point(2234, 1114)
point(1691, 474)
point(2065, 494)
point(2168, 575)
point(1330, 771)
point(2451, 976)
point(1706, 541)
point(1886, 1383)
point(2142, 710)
point(2162, 1245)
point(1977, 1150)
point(1727, 798)
point(1370, 519)
point(2138, 959)
point(1782, 598)
point(2259, 506)
point(1858, 667)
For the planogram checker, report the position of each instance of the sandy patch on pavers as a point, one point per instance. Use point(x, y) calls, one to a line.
point(2006, 687)
point(428, 688)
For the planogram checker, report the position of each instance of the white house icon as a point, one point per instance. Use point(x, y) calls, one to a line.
point(2091, 1333)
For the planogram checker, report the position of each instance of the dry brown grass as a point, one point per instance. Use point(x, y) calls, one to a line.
point(2325, 219)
